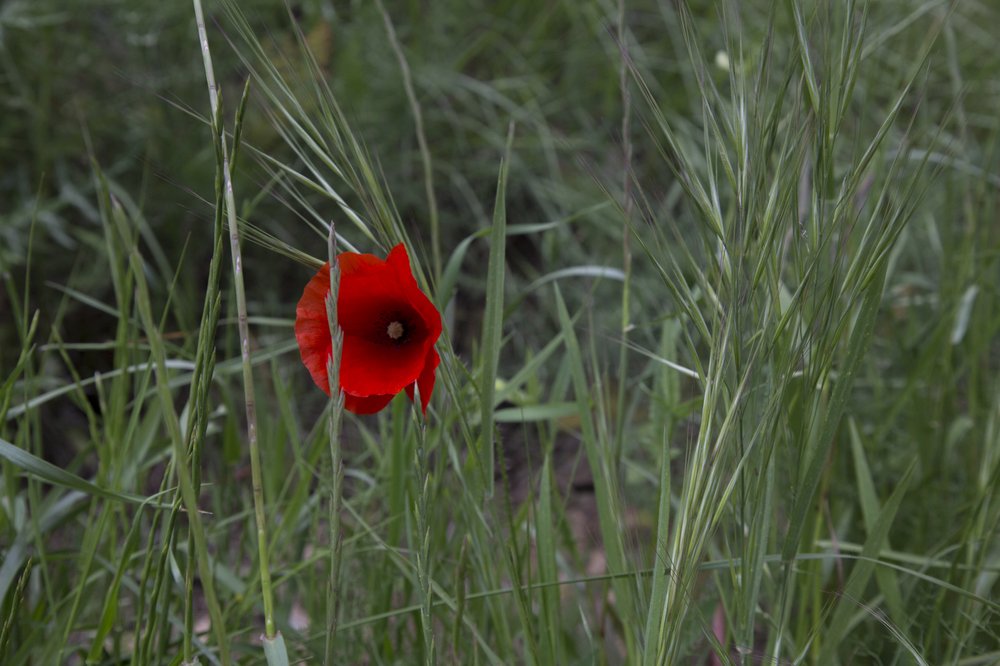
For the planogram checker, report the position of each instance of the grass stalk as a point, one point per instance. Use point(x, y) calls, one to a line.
point(422, 548)
point(270, 632)
point(624, 85)
point(425, 151)
point(485, 456)
point(336, 410)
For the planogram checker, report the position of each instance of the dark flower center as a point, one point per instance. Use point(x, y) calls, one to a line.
point(395, 330)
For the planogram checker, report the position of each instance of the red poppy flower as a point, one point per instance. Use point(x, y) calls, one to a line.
point(389, 325)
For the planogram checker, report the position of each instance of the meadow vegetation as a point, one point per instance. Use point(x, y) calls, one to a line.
point(719, 371)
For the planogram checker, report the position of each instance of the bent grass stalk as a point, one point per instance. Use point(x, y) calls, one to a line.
point(274, 646)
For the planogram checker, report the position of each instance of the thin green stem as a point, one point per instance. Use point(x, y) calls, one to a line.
point(241, 310)
point(423, 534)
point(626, 95)
point(425, 152)
point(336, 462)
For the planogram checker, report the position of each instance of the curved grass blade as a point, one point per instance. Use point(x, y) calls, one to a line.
point(57, 476)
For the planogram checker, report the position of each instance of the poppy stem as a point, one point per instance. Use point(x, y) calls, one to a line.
point(336, 461)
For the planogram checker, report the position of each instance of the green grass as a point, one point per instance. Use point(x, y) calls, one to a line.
point(719, 369)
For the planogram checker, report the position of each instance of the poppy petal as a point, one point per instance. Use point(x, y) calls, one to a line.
point(369, 368)
point(367, 404)
point(399, 262)
point(367, 304)
point(389, 325)
point(352, 263)
point(312, 330)
point(426, 380)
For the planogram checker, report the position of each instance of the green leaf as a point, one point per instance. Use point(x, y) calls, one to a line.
point(109, 615)
point(32, 403)
point(274, 651)
point(544, 527)
point(963, 314)
point(870, 510)
point(853, 594)
point(596, 272)
point(808, 71)
point(449, 278)
point(46, 471)
point(52, 515)
point(493, 318)
point(530, 413)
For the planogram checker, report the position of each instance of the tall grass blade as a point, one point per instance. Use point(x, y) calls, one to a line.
point(493, 323)
point(849, 599)
point(57, 476)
